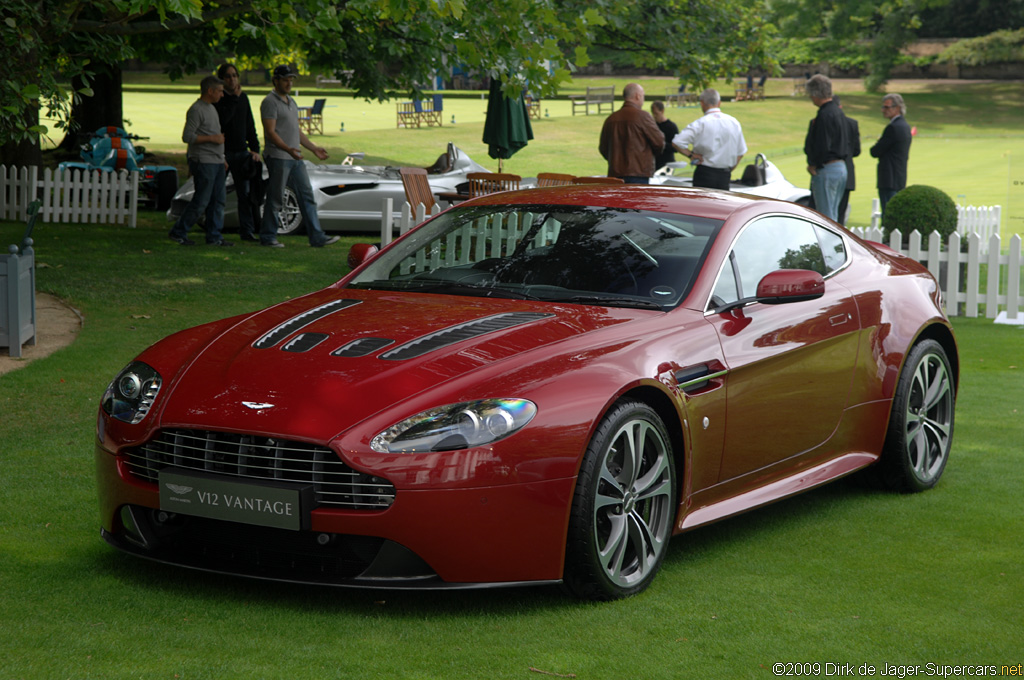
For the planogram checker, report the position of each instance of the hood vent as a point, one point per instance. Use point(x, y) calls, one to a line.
point(463, 331)
point(301, 321)
point(361, 347)
point(304, 342)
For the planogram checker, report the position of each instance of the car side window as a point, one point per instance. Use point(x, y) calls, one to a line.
point(771, 243)
point(833, 248)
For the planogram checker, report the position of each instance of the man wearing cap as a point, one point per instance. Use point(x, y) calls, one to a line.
point(206, 165)
point(282, 140)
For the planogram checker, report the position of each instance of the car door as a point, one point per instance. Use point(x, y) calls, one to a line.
point(790, 365)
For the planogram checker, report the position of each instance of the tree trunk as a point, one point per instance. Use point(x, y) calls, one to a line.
point(26, 152)
point(102, 109)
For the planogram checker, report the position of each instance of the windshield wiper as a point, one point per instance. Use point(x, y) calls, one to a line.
point(469, 289)
point(609, 301)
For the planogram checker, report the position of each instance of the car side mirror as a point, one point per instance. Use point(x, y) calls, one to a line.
point(790, 285)
point(360, 253)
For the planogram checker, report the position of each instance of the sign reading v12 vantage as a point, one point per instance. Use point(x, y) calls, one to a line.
point(200, 495)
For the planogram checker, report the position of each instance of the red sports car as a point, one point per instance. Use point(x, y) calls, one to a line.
point(532, 387)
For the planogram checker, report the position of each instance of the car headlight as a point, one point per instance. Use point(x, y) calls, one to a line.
point(456, 426)
point(131, 394)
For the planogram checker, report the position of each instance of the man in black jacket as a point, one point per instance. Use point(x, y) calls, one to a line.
point(892, 149)
point(826, 146)
point(853, 144)
point(241, 148)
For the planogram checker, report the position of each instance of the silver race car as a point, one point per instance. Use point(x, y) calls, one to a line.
point(760, 178)
point(349, 197)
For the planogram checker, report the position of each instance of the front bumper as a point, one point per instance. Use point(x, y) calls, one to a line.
point(428, 538)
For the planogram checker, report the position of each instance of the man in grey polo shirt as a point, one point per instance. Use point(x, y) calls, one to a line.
point(283, 137)
point(206, 165)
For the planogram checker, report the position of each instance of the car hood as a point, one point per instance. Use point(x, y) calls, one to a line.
point(312, 367)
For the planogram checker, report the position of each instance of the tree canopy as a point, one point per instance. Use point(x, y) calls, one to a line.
point(377, 47)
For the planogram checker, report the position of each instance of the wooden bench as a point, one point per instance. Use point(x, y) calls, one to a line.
point(680, 99)
point(596, 96)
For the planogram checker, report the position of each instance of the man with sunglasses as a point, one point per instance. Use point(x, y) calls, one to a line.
point(241, 148)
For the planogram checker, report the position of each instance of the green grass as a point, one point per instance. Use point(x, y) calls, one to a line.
point(969, 141)
point(842, 574)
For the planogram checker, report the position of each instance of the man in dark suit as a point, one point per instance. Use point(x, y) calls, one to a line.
point(892, 149)
point(853, 133)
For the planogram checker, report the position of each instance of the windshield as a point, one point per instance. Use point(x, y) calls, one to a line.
point(586, 255)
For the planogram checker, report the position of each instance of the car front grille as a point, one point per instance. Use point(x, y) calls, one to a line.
point(262, 458)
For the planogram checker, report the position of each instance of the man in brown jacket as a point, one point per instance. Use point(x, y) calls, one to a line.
point(630, 139)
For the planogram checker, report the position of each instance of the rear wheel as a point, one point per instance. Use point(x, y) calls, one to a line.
point(290, 217)
point(624, 506)
point(920, 431)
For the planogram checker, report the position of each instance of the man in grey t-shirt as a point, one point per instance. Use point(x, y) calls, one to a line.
point(206, 165)
point(282, 152)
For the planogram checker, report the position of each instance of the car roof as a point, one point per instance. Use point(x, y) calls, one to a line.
point(709, 203)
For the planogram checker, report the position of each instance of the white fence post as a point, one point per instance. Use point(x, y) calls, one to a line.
point(405, 221)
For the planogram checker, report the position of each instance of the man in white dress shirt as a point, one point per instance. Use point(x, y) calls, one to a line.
point(715, 141)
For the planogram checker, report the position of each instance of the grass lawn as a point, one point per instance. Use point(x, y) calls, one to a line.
point(841, 575)
point(969, 141)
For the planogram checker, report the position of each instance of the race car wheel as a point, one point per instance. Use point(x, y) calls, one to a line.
point(290, 217)
point(920, 433)
point(624, 505)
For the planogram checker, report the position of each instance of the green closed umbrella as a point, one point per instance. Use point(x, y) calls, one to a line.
point(507, 128)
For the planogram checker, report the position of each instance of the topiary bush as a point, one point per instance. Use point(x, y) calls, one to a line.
point(921, 208)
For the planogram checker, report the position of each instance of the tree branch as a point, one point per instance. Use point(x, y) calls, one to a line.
point(131, 27)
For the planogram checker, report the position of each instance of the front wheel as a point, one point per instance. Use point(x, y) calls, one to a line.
point(623, 508)
point(920, 433)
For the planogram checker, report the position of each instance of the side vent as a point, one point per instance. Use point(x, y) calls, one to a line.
point(301, 321)
point(362, 347)
point(463, 331)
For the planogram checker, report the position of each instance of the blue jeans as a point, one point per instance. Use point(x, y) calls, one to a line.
point(208, 196)
point(633, 179)
point(293, 174)
point(828, 187)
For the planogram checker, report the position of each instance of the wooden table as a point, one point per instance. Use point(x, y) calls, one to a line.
point(452, 196)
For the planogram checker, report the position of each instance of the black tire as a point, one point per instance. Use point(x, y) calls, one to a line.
point(920, 433)
point(622, 514)
point(166, 187)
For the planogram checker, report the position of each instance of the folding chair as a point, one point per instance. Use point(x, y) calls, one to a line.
point(553, 179)
point(482, 183)
point(417, 189)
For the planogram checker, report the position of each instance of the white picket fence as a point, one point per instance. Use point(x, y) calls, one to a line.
point(983, 220)
point(73, 196)
point(962, 295)
point(404, 220)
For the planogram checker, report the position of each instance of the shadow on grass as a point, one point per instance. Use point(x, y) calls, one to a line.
point(697, 551)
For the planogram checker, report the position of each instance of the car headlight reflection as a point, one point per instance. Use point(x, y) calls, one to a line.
point(456, 426)
point(130, 395)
